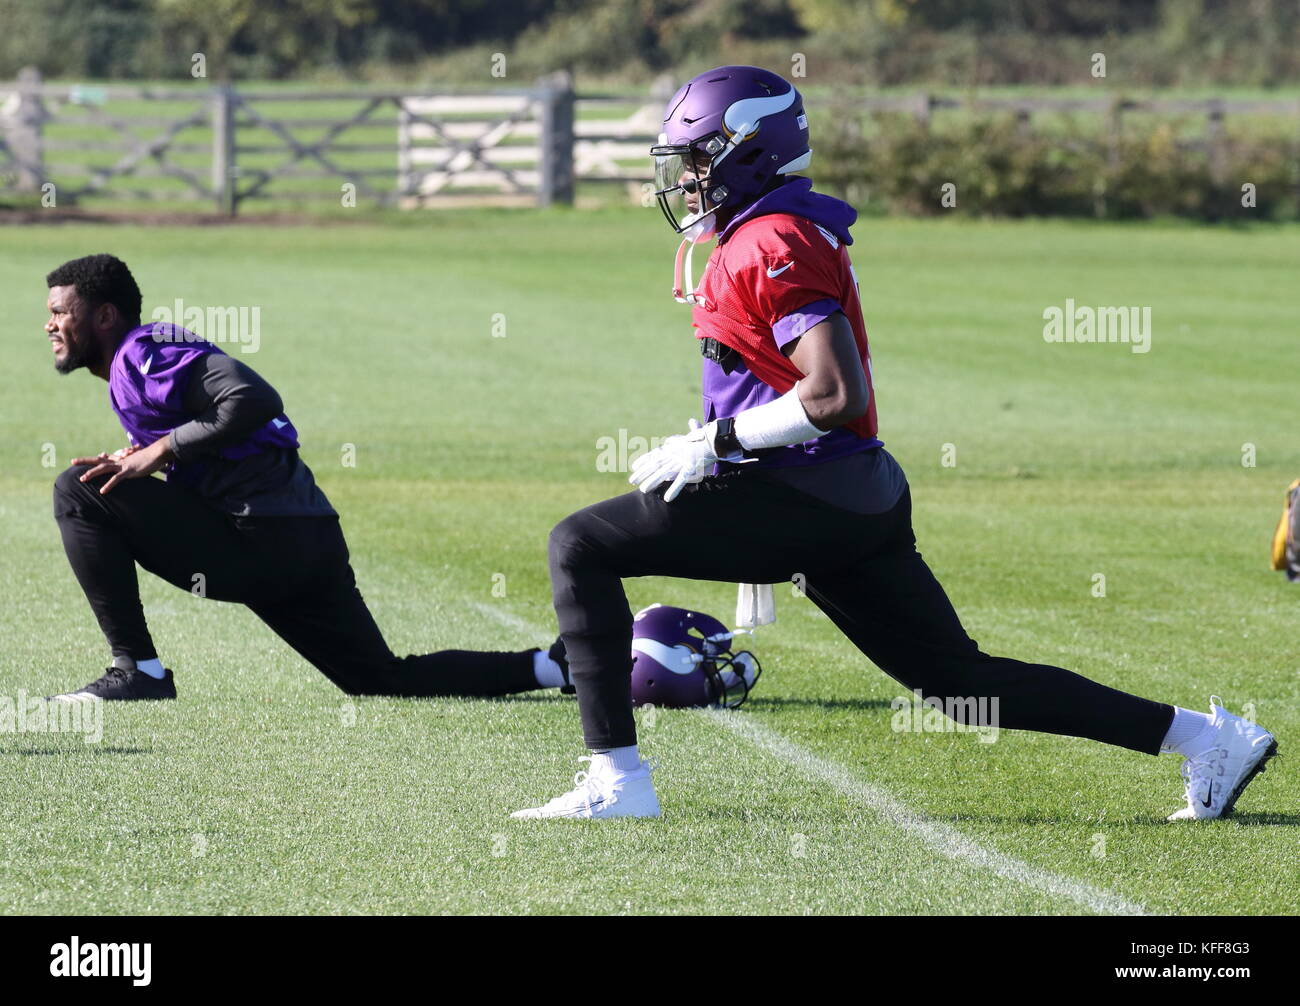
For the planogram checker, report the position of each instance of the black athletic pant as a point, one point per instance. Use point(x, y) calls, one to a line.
point(293, 572)
point(862, 570)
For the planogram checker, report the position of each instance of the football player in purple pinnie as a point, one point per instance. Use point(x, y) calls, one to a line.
point(239, 517)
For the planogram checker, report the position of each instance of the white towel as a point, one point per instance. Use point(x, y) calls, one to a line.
point(755, 605)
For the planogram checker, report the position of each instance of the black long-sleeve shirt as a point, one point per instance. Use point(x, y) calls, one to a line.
point(228, 401)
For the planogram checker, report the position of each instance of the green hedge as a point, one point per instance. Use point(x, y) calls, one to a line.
point(896, 164)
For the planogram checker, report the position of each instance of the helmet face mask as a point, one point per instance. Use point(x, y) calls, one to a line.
point(731, 676)
point(682, 171)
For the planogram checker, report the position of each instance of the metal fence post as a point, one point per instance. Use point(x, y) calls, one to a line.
point(25, 137)
point(555, 184)
point(223, 150)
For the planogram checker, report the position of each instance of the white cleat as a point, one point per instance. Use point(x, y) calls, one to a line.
point(627, 794)
point(1217, 776)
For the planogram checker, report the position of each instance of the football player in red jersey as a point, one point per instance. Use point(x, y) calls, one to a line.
point(787, 476)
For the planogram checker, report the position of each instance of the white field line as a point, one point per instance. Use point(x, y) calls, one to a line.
point(510, 620)
point(943, 838)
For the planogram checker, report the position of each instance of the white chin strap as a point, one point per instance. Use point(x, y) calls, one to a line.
point(683, 282)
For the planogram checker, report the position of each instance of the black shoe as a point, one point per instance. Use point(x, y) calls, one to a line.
point(556, 653)
point(122, 685)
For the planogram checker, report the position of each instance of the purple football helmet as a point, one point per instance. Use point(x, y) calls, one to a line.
point(727, 134)
point(683, 658)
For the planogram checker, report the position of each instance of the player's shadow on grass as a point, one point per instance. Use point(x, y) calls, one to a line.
point(1262, 818)
point(548, 695)
point(93, 749)
point(783, 702)
point(810, 702)
point(1253, 820)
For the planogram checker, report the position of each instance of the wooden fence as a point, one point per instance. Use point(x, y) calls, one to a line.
point(527, 144)
point(230, 148)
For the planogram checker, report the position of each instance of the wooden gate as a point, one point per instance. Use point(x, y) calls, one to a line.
point(233, 148)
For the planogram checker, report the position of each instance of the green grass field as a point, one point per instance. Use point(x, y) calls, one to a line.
point(265, 790)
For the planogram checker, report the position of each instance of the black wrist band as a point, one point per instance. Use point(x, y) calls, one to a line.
point(725, 441)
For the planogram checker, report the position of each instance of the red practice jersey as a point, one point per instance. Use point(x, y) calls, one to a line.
point(771, 280)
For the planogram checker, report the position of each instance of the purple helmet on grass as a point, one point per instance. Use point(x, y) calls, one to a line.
point(683, 658)
point(727, 134)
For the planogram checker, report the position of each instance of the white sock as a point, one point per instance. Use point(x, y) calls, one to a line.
point(615, 761)
point(547, 671)
point(1190, 733)
point(153, 668)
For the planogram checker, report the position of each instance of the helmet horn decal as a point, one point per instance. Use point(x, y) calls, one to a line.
point(747, 113)
point(678, 659)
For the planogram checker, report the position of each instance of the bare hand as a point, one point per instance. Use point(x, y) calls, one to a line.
point(129, 449)
point(129, 463)
point(117, 455)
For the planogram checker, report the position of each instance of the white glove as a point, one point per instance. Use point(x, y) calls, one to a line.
point(683, 458)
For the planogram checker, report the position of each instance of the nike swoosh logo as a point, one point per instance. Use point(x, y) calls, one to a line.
point(774, 273)
point(279, 425)
point(591, 806)
point(148, 362)
point(1209, 796)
